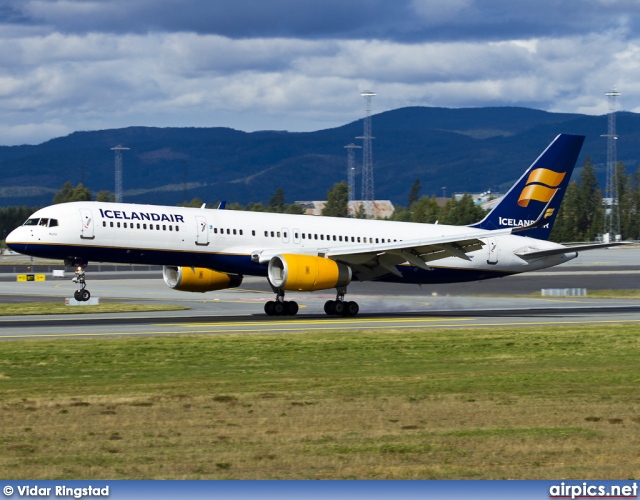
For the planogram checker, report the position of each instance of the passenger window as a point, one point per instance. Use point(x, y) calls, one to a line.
point(158, 227)
point(272, 234)
point(234, 231)
point(151, 227)
point(111, 224)
point(266, 233)
point(228, 231)
point(303, 235)
point(164, 227)
point(322, 237)
point(170, 228)
point(104, 223)
point(144, 226)
point(278, 234)
point(125, 225)
point(240, 232)
point(340, 238)
point(177, 228)
point(253, 232)
point(215, 230)
point(138, 225)
point(358, 239)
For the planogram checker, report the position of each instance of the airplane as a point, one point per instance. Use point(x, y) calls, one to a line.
point(205, 250)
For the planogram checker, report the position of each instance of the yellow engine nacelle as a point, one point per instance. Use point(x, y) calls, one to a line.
point(307, 273)
point(187, 279)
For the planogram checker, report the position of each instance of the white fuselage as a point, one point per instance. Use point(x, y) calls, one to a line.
point(241, 242)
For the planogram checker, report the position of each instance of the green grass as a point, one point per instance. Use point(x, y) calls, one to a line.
point(534, 403)
point(33, 308)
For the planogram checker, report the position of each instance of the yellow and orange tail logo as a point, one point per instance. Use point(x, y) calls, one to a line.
point(541, 186)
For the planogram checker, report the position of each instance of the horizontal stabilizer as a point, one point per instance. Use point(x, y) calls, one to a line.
point(533, 254)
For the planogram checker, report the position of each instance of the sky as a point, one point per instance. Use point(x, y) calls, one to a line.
point(300, 65)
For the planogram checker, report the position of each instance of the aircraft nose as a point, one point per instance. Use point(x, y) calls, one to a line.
point(15, 242)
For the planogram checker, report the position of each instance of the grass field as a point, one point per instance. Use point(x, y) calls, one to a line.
point(31, 308)
point(531, 403)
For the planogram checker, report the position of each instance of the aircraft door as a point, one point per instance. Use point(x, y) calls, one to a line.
point(87, 224)
point(493, 251)
point(202, 228)
point(285, 235)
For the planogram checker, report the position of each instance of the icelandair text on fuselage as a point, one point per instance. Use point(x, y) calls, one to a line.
point(503, 221)
point(122, 214)
point(60, 491)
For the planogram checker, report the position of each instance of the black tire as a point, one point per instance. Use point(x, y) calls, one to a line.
point(268, 308)
point(339, 308)
point(330, 307)
point(292, 308)
point(77, 295)
point(278, 309)
point(85, 295)
point(352, 308)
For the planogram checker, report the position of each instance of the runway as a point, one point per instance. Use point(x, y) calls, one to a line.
point(496, 303)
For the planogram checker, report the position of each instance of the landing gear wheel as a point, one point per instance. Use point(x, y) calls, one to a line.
point(85, 295)
point(330, 307)
point(268, 308)
point(291, 308)
point(278, 309)
point(352, 308)
point(78, 295)
point(338, 308)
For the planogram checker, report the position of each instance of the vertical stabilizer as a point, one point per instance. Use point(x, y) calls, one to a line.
point(539, 190)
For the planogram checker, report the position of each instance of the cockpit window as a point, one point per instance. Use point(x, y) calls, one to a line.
point(41, 222)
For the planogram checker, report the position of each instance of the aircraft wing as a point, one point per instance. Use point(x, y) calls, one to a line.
point(374, 260)
point(534, 254)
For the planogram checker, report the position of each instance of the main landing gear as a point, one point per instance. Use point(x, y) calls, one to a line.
point(281, 307)
point(341, 307)
point(338, 307)
point(82, 294)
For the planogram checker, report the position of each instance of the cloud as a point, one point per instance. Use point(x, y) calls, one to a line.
point(77, 65)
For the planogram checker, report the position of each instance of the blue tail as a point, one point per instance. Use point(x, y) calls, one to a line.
point(541, 188)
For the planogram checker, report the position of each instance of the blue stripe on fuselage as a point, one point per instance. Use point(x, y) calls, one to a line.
point(233, 263)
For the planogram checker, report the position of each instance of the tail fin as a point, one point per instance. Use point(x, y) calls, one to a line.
point(541, 188)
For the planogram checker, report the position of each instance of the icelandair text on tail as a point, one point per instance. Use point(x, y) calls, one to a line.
point(57, 491)
point(586, 490)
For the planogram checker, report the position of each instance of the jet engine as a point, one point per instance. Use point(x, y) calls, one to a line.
point(187, 279)
point(307, 273)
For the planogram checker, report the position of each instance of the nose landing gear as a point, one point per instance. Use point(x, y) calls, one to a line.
point(81, 295)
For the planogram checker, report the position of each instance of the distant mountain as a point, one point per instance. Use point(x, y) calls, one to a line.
point(470, 150)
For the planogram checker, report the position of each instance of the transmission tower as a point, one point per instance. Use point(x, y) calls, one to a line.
point(119, 149)
point(351, 170)
point(367, 156)
point(612, 205)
